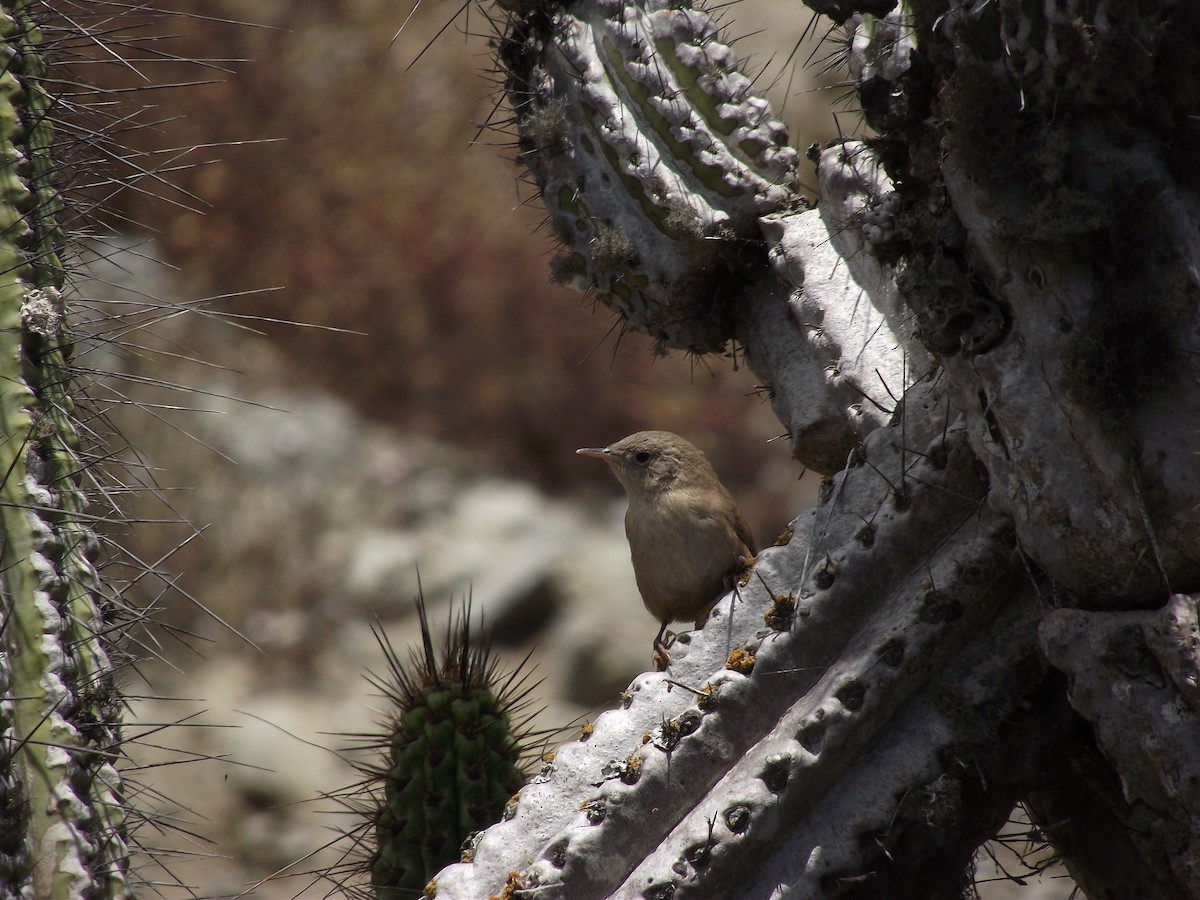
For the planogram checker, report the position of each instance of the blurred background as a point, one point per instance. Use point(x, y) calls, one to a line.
point(376, 379)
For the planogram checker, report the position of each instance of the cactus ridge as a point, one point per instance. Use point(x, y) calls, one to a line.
point(1040, 380)
point(687, 155)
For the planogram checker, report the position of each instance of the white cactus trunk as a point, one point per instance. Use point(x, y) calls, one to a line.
point(987, 330)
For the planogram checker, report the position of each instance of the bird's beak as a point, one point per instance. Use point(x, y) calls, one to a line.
point(595, 452)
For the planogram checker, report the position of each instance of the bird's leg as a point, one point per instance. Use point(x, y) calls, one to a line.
point(662, 641)
point(733, 582)
point(733, 578)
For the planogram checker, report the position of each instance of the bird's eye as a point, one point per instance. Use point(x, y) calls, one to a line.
point(642, 457)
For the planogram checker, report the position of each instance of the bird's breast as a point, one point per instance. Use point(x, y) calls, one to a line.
point(681, 554)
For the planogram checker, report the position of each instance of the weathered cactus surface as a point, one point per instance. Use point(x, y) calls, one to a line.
point(989, 328)
point(1048, 249)
point(61, 820)
point(654, 157)
point(1134, 673)
point(830, 334)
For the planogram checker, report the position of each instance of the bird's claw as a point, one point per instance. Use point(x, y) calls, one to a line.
point(662, 643)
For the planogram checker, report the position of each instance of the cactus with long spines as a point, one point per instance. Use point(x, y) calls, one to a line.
point(64, 832)
point(67, 826)
point(453, 753)
point(987, 330)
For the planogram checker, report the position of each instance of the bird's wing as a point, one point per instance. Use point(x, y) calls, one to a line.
point(741, 530)
point(744, 534)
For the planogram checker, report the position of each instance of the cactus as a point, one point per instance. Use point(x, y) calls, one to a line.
point(67, 827)
point(986, 331)
point(64, 831)
point(454, 751)
point(692, 157)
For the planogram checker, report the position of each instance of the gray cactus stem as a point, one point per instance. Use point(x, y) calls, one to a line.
point(987, 330)
point(1133, 675)
point(873, 686)
point(829, 333)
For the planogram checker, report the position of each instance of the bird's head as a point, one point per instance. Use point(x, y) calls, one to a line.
point(652, 461)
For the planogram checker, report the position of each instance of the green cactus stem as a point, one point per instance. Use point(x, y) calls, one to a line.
point(454, 752)
point(62, 831)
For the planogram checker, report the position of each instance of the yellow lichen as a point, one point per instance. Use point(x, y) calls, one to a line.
point(741, 660)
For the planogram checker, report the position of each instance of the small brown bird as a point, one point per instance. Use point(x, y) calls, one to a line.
point(687, 538)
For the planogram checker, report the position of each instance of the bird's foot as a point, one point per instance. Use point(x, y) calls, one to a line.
point(662, 643)
point(740, 574)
